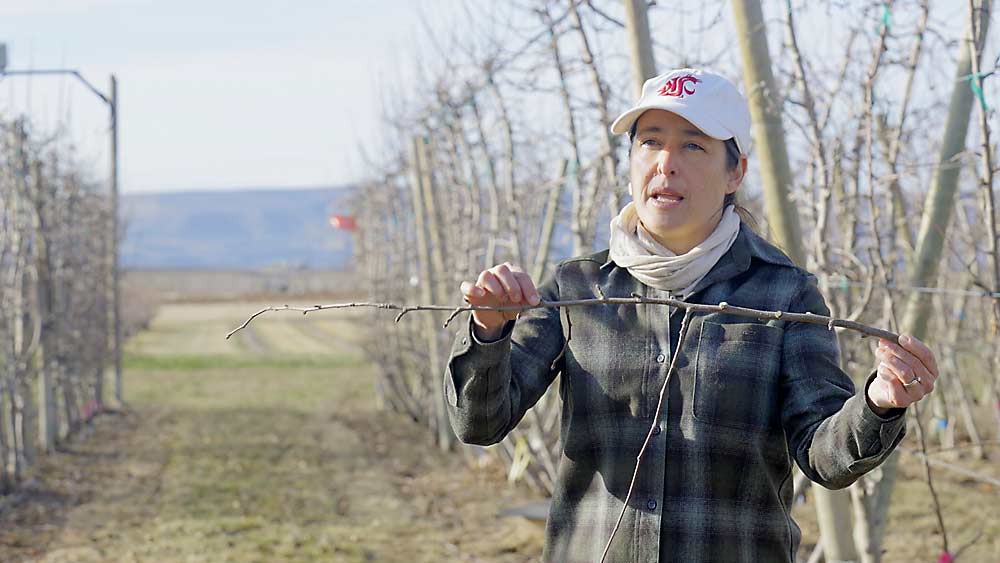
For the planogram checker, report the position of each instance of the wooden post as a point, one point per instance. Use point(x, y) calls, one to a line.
point(22, 394)
point(639, 44)
point(430, 260)
point(833, 512)
point(833, 508)
point(115, 300)
point(768, 131)
point(48, 420)
point(6, 481)
point(437, 249)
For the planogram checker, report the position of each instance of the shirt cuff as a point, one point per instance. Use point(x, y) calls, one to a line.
point(508, 327)
point(488, 353)
point(890, 428)
point(472, 361)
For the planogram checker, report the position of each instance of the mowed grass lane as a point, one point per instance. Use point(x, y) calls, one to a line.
point(267, 447)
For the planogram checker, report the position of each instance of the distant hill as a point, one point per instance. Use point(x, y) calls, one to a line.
point(240, 229)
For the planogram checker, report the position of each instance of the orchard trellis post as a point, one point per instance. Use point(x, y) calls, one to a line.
point(833, 508)
point(640, 46)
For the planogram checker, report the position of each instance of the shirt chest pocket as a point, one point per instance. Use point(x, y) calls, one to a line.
point(736, 375)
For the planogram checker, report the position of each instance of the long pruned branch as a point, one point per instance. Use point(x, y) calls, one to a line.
point(635, 299)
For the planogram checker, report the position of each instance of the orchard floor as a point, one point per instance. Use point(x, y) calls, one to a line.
point(270, 447)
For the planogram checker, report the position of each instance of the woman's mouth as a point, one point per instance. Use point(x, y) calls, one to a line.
point(665, 199)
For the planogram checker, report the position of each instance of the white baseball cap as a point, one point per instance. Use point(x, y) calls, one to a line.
point(709, 101)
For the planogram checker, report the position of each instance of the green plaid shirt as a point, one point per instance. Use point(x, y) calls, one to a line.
point(747, 399)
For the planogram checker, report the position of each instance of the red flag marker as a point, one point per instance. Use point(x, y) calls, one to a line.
point(343, 222)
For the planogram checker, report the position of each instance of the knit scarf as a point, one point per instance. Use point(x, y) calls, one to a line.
point(634, 248)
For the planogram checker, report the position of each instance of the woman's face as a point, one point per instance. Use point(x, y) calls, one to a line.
point(679, 179)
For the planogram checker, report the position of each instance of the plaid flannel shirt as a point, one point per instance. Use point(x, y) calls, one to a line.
point(747, 398)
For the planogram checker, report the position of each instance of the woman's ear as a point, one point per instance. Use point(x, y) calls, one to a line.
point(736, 175)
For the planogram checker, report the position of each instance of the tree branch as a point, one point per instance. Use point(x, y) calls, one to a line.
point(635, 299)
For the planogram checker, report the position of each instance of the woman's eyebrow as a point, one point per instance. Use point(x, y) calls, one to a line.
point(687, 132)
point(696, 133)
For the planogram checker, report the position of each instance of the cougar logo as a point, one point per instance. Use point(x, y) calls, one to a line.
point(678, 86)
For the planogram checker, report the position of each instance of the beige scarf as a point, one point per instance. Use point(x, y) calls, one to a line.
point(634, 248)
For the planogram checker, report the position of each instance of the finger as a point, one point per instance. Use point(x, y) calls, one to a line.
point(901, 384)
point(909, 356)
point(903, 373)
point(894, 355)
point(893, 393)
point(920, 371)
point(493, 287)
point(472, 292)
point(510, 284)
point(527, 287)
point(921, 351)
point(905, 361)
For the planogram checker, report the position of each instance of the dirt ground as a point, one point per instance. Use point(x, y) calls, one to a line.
point(270, 447)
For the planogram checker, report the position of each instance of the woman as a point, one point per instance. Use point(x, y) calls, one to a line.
point(747, 397)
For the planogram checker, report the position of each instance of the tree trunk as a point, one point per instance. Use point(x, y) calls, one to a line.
point(640, 47)
point(513, 225)
point(429, 258)
point(768, 131)
point(549, 223)
point(48, 419)
point(832, 507)
point(6, 467)
point(583, 204)
point(608, 143)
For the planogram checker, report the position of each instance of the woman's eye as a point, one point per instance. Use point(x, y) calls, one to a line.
point(649, 142)
point(695, 146)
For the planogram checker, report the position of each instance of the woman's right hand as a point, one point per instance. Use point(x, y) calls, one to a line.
point(504, 284)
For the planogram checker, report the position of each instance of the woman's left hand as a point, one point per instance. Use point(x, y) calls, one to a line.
point(906, 373)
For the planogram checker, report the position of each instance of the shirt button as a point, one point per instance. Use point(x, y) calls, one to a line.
point(661, 358)
point(656, 430)
point(651, 504)
point(465, 341)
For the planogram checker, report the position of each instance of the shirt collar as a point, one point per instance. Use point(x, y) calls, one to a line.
point(747, 246)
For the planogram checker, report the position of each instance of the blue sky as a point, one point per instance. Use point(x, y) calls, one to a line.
point(217, 94)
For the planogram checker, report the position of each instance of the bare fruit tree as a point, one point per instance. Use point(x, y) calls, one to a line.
point(54, 321)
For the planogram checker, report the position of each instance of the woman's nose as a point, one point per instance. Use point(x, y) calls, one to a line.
point(665, 163)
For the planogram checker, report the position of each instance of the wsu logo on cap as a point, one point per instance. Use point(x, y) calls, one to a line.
point(678, 86)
